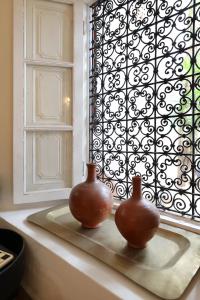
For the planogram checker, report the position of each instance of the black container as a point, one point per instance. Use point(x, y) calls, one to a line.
point(11, 275)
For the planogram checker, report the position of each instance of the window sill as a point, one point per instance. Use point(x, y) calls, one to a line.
point(57, 270)
point(180, 222)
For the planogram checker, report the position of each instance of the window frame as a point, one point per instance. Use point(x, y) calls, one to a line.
point(169, 217)
point(79, 148)
point(18, 95)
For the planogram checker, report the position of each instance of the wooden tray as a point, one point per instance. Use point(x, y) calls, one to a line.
point(165, 267)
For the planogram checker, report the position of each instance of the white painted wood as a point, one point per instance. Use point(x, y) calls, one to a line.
point(48, 96)
point(49, 33)
point(48, 161)
point(87, 2)
point(86, 36)
point(78, 133)
point(36, 128)
point(38, 115)
point(50, 63)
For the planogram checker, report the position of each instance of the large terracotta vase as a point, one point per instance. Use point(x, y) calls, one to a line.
point(91, 202)
point(136, 218)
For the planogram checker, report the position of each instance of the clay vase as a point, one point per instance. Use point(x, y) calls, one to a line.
point(136, 218)
point(91, 202)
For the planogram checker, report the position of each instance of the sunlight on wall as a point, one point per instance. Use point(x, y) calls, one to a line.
point(6, 41)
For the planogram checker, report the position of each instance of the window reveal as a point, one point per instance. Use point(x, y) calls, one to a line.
point(145, 99)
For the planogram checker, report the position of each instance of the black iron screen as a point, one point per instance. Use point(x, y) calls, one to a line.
point(145, 99)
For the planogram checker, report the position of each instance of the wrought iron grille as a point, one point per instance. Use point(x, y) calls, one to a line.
point(145, 99)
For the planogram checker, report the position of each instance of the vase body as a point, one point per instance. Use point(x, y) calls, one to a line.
point(136, 218)
point(91, 202)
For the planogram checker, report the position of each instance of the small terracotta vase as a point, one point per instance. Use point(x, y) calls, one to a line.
point(136, 218)
point(91, 202)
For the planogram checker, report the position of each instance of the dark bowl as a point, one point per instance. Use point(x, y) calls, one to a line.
point(11, 275)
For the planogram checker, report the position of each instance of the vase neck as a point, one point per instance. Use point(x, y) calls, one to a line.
point(91, 172)
point(137, 187)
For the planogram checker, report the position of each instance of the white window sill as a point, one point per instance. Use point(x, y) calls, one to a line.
point(57, 270)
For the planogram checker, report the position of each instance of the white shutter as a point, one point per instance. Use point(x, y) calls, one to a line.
point(48, 133)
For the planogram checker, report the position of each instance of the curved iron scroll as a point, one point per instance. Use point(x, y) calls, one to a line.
point(145, 99)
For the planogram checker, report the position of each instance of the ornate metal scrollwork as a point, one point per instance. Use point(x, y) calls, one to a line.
point(145, 99)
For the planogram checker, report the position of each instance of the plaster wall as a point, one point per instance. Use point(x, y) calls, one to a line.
point(6, 107)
